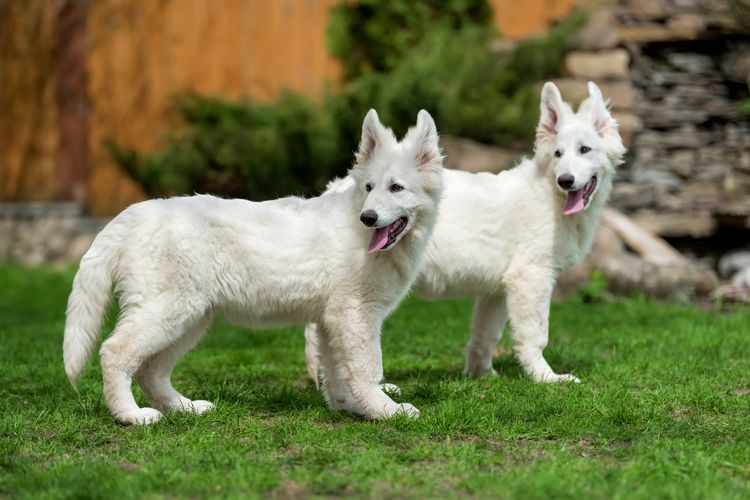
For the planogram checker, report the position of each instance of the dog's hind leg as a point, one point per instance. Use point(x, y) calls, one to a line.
point(140, 333)
point(490, 314)
point(355, 342)
point(154, 376)
point(529, 292)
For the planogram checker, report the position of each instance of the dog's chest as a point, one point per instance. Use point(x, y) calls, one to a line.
point(573, 240)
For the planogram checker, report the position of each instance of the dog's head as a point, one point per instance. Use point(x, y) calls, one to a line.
point(580, 150)
point(400, 182)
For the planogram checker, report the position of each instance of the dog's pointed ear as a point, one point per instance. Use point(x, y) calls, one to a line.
point(425, 140)
point(373, 133)
point(552, 109)
point(599, 112)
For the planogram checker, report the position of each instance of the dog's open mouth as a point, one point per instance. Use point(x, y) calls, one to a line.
point(579, 199)
point(386, 236)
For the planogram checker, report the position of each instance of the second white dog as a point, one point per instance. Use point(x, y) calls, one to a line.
point(506, 238)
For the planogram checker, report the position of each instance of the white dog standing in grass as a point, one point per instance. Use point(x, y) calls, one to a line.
point(506, 238)
point(342, 260)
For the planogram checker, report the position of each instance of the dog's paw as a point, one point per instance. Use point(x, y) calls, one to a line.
point(409, 410)
point(143, 416)
point(567, 377)
point(391, 389)
point(479, 372)
point(200, 407)
point(554, 378)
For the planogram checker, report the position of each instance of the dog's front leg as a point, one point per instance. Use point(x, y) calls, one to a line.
point(529, 291)
point(354, 344)
point(332, 380)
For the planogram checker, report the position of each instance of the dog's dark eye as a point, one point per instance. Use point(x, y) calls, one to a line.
point(395, 188)
point(585, 149)
point(558, 154)
point(368, 187)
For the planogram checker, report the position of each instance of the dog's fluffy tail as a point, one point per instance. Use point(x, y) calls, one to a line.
point(87, 304)
point(311, 352)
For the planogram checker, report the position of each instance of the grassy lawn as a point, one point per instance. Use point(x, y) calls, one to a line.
point(663, 411)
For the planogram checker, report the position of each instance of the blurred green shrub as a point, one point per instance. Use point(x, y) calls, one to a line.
point(596, 290)
point(375, 35)
point(470, 91)
point(245, 149)
point(440, 60)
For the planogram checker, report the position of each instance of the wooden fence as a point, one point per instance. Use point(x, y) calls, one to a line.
point(135, 55)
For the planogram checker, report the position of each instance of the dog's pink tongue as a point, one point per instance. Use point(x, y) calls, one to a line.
point(379, 239)
point(574, 202)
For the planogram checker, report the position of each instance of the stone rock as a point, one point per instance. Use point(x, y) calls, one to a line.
point(714, 173)
point(78, 247)
point(660, 179)
point(733, 262)
point(629, 197)
point(736, 64)
point(647, 9)
point(742, 278)
point(7, 237)
point(657, 33)
point(598, 33)
point(697, 224)
point(472, 156)
point(681, 162)
point(690, 62)
point(598, 65)
point(628, 273)
point(687, 23)
point(630, 124)
point(37, 233)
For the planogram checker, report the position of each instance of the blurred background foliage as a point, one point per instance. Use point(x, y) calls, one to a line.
point(398, 57)
point(374, 35)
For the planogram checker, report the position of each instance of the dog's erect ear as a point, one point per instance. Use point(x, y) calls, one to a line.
point(552, 109)
point(373, 133)
point(424, 138)
point(597, 109)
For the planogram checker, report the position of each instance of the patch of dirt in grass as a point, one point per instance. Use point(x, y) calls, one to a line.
point(523, 451)
point(128, 466)
point(517, 451)
point(289, 489)
point(744, 391)
point(588, 449)
point(680, 413)
point(331, 424)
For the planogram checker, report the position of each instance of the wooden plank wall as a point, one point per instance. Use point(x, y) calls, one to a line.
point(144, 53)
point(141, 53)
point(514, 19)
point(28, 116)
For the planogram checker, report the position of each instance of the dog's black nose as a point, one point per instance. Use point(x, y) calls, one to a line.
point(566, 181)
point(369, 217)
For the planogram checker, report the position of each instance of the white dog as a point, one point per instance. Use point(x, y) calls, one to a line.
point(506, 238)
point(177, 262)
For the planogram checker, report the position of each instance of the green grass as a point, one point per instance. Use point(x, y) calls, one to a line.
point(663, 411)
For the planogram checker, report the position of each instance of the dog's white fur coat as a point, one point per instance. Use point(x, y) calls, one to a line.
point(177, 262)
point(504, 238)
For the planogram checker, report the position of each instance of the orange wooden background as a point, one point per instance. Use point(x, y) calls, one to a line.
point(141, 53)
